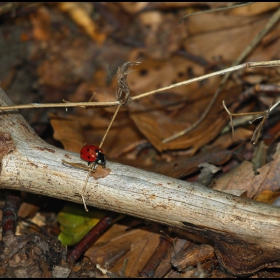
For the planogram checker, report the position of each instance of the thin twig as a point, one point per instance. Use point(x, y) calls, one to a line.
point(270, 63)
point(258, 129)
point(215, 10)
point(60, 105)
point(240, 114)
point(274, 106)
point(113, 118)
point(244, 54)
point(230, 116)
point(263, 115)
point(85, 184)
point(66, 101)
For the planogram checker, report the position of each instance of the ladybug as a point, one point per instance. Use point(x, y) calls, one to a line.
point(92, 153)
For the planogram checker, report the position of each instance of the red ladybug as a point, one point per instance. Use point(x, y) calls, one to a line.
point(92, 153)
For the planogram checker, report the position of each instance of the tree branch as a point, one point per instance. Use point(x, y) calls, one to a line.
point(244, 232)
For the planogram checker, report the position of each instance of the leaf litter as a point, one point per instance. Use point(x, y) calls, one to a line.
point(76, 52)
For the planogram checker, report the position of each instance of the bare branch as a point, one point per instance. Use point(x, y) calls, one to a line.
point(232, 223)
point(263, 115)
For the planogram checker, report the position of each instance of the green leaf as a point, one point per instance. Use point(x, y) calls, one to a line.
point(75, 223)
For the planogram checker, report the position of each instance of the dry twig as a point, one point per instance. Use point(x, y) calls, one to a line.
point(270, 63)
point(263, 115)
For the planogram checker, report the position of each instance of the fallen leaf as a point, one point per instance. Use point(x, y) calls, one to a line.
point(226, 140)
point(75, 223)
point(243, 177)
point(154, 24)
point(208, 38)
point(268, 177)
point(267, 196)
point(182, 167)
point(240, 177)
point(254, 9)
point(259, 156)
point(136, 245)
point(68, 64)
point(69, 132)
point(80, 14)
point(191, 256)
point(41, 22)
point(133, 7)
point(157, 125)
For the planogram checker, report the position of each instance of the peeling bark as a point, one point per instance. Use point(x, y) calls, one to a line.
point(244, 232)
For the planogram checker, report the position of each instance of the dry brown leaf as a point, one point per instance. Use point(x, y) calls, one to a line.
point(224, 37)
point(268, 177)
point(135, 245)
point(154, 74)
point(255, 9)
point(267, 196)
point(183, 167)
point(243, 177)
point(206, 23)
point(165, 264)
point(80, 13)
point(180, 5)
point(69, 133)
point(142, 247)
point(240, 177)
point(126, 136)
point(108, 254)
point(226, 140)
point(41, 22)
point(157, 125)
point(273, 134)
point(8, 79)
point(133, 7)
point(259, 156)
point(240, 193)
point(67, 64)
point(27, 210)
point(162, 34)
point(192, 256)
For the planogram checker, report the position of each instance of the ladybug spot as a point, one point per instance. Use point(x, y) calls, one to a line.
point(88, 157)
point(87, 149)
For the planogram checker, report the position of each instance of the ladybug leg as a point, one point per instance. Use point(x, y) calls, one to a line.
point(95, 164)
